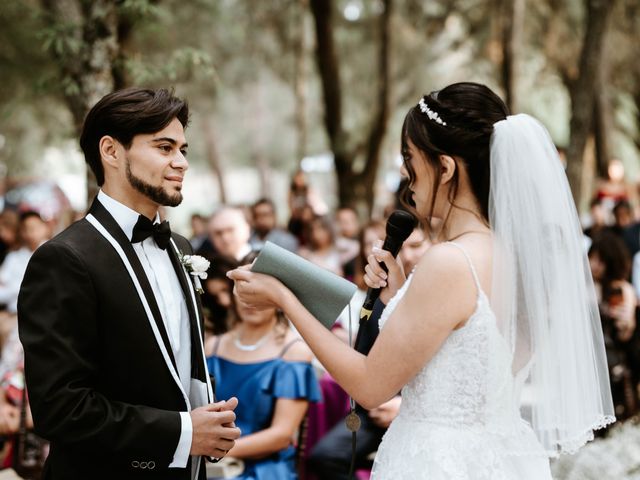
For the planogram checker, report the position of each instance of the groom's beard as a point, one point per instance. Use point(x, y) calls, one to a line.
point(155, 193)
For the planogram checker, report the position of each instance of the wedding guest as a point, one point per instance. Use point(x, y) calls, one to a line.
point(610, 264)
point(304, 204)
point(369, 237)
point(598, 218)
point(348, 223)
point(413, 248)
point(34, 231)
point(302, 194)
point(614, 188)
point(321, 249)
point(623, 217)
point(265, 228)
point(216, 297)
point(9, 232)
point(198, 231)
point(347, 239)
point(268, 368)
point(229, 233)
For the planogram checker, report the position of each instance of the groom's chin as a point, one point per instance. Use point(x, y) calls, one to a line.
point(173, 201)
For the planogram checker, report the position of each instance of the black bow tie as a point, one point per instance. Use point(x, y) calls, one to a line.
point(144, 228)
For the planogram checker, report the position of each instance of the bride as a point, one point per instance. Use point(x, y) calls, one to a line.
point(504, 299)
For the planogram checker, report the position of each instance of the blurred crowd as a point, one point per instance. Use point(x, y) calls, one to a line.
point(21, 233)
point(612, 238)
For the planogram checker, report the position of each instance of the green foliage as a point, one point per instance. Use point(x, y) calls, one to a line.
point(235, 62)
point(182, 66)
point(62, 39)
point(141, 10)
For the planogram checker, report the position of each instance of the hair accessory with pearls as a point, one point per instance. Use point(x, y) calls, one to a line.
point(424, 108)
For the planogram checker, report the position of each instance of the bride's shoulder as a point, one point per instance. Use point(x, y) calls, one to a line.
point(441, 262)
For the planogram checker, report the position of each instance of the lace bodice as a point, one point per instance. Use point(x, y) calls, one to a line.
point(459, 417)
point(468, 382)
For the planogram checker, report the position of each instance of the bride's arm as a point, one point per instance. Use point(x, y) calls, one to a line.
point(441, 296)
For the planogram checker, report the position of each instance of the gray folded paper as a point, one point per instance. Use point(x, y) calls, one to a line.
point(322, 292)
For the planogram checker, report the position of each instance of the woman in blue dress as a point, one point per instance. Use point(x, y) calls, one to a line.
point(263, 363)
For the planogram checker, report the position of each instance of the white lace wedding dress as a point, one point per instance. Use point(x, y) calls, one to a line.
point(459, 418)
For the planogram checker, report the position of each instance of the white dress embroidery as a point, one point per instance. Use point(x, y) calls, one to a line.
point(459, 418)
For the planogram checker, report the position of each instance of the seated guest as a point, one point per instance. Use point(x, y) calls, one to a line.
point(347, 239)
point(229, 234)
point(623, 215)
point(321, 249)
point(265, 228)
point(9, 235)
point(370, 235)
point(33, 232)
point(198, 231)
point(216, 295)
point(610, 263)
point(263, 363)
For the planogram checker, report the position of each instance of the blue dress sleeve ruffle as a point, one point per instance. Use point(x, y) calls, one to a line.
point(295, 380)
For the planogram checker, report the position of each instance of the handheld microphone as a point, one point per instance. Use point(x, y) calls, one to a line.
point(399, 226)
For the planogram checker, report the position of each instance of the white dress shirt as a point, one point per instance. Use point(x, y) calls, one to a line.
point(173, 308)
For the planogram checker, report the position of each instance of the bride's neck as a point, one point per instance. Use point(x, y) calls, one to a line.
point(464, 218)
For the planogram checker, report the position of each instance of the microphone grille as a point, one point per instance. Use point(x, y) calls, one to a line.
point(400, 225)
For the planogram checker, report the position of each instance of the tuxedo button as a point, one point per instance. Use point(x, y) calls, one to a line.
point(135, 464)
point(151, 465)
point(143, 465)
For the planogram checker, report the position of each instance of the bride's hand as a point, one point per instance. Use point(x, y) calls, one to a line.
point(257, 290)
point(375, 277)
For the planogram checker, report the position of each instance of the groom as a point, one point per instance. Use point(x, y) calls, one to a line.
point(109, 317)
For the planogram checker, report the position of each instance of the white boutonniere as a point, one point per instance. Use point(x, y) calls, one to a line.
point(197, 266)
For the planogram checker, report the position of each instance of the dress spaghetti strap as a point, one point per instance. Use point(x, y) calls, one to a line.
point(473, 270)
point(288, 346)
point(216, 345)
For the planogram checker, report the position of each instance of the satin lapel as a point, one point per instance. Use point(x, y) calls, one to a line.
point(107, 221)
point(198, 360)
point(196, 368)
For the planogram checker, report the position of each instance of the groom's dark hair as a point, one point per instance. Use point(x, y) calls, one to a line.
point(123, 114)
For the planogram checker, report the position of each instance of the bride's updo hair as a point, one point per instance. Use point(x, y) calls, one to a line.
point(456, 121)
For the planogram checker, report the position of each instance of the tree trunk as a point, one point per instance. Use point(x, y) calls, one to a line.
point(602, 121)
point(354, 189)
point(213, 158)
point(582, 94)
point(329, 70)
point(300, 79)
point(636, 98)
point(88, 72)
point(369, 175)
point(511, 33)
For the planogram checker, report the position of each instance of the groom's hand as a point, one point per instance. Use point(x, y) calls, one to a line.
point(214, 430)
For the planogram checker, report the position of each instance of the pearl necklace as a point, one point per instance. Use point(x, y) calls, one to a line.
point(250, 348)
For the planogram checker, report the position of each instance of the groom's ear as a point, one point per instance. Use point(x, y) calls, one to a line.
point(110, 151)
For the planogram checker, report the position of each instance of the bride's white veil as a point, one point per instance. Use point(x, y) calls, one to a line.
point(543, 293)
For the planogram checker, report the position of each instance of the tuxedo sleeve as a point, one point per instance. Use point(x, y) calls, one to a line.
point(57, 312)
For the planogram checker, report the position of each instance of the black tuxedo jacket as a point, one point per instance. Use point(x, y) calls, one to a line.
point(100, 371)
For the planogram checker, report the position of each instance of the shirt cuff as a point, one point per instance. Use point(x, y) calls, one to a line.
point(181, 457)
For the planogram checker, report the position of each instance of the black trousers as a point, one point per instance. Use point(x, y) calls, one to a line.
point(331, 456)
